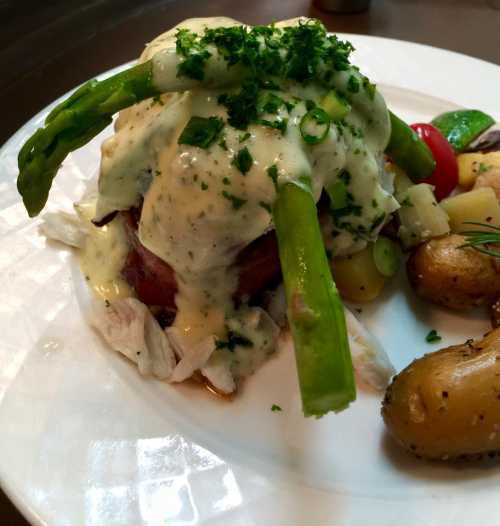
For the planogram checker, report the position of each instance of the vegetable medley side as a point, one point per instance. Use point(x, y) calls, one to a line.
point(262, 126)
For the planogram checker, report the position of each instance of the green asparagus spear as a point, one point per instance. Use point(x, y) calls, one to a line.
point(409, 151)
point(72, 124)
point(315, 310)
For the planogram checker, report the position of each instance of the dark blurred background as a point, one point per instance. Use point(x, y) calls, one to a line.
point(47, 47)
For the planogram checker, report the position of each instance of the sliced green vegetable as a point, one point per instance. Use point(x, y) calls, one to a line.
point(387, 256)
point(461, 127)
point(315, 310)
point(408, 151)
point(336, 107)
point(314, 126)
point(72, 124)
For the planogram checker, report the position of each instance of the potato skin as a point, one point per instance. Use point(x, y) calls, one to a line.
point(446, 405)
point(457, 278)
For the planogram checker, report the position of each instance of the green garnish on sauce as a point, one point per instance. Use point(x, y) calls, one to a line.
point(433, 337)
point(201, 132)
point(243, 160)
point(237, 202)
point(276, 408)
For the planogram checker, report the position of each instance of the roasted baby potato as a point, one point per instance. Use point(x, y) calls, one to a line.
point(446, 405)
point(495, 314)
point(458, 278)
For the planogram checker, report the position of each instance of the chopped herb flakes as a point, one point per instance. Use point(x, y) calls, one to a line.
point(483, 168)
point(276, 408)
point(201, 132)
point(237, 202)
point(353, 84)
point(242, 106)
point(272, 172)
point(243, 137)
point(243, 160)
point(433, 337)
point(233, 340)
point(204, 186)
point(266, 206)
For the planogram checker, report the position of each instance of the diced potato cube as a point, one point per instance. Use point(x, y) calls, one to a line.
point(357, 277)
point(420, 215)
point(470, 165)
point(480, 205)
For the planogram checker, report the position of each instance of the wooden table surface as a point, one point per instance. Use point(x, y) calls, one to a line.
point(48, 47)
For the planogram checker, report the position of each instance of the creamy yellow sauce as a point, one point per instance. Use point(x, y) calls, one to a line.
point(199, 210)
point(103, 255)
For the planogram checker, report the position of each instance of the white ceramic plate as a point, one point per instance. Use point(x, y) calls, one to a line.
point(84, 440)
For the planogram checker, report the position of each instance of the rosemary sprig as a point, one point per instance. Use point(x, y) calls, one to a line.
point(480, 239)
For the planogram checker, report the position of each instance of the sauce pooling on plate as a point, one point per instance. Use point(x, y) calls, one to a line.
point(202, 205)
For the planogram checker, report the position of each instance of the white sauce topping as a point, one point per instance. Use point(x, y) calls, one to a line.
point(199, 210)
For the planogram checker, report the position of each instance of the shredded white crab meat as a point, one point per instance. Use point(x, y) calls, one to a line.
point(128, 327)
point(64, 227)
point(369, 358)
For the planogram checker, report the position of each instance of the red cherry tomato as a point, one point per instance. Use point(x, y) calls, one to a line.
point(445, 176)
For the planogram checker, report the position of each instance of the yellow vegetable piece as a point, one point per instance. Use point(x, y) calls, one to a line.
point(357, 277)
point(471, 165)
point(420, 215)
point(479, 205)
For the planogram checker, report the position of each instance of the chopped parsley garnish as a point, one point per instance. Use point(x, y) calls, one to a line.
point(157, 100)
point(204, 186)
point(242, 106)
point(243, 160)
point(276, 408)
point(278, 124)
point(353, 84)
point(226, 181)
point(195, 52)
point(266, 206)
point(271, 103)
point(345, 177)
point(433, 337)
point(369, 87)
point(201, 132)
point(301, 53)
point(377, 221)
point(483, 168)
point(406, 201)
point(272, 172)
point(222, 144)
point(233, 339)
point(244, 136)
point(237, 202)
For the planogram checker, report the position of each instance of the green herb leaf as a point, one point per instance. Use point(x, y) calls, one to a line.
point(265, 206)
point(272, 172)
point(276, 408)
point(433, 337)
point(234, 339)
point(243, 160)
point(201, 132)
point(237, 202)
